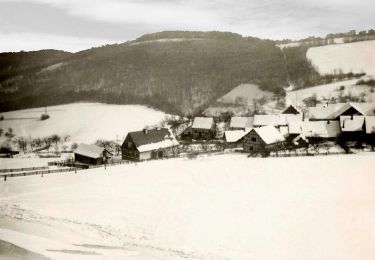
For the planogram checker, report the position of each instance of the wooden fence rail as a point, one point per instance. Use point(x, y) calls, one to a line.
point(23, 169)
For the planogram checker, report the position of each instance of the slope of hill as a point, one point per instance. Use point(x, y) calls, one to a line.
point(84, 122)
point(349, 57)
point(174, 76)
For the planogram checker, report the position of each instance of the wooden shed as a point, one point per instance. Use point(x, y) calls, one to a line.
point(91, 154)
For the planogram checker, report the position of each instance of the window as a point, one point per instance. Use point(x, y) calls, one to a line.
point(251, 148)
point(253, 139)
point(130, 144)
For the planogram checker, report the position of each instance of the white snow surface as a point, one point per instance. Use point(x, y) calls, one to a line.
point(214, 207)
point(84, 122)
point(349, 57)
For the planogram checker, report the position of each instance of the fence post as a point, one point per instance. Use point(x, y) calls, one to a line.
point(5, 177)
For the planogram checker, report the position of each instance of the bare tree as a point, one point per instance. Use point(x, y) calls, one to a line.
point(9, 134)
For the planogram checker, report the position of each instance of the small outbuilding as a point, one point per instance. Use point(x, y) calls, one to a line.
point(91, 154)
point(149, 144)
point(203, 128)
point(263, 139)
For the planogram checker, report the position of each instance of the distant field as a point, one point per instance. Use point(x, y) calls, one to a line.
point(349, 57)
point(84, 122)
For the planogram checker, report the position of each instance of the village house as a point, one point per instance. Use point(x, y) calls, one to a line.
point(149, 144)
point(234, 138)
point(262, 140)
point(91, 154)
point(241, 123)
point(370, 129)
point(203, 128)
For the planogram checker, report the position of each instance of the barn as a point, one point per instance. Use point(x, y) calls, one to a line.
point(263, 139)
point(203, 128)
point(149, 144)
point(91, 154)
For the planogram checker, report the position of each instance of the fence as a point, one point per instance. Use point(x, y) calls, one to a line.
point(23, 169)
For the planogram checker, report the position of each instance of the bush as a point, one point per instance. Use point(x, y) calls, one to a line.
point(44, 117)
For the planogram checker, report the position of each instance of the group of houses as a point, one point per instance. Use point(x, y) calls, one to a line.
point(257, 134)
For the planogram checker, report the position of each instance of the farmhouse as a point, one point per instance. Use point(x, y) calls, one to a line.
point(91, 154)
point(352, 127)
point(241, 123)
point(149, 144)
point(262, 139)
point(234, 138)
point(203, 128)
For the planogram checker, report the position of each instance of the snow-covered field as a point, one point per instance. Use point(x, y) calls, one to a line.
point(349, 57)
point(84, 122)
point(245, 91)
point(214, 207)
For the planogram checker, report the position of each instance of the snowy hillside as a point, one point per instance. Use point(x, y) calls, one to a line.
point(84, 122)
point(349, 57)
point(215, 207)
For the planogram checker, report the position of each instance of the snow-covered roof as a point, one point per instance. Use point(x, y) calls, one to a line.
point(322, 129)
point(276, 120)
point(153, 139)
point(202, 123)
point(234, 135)
point(241, 122)
point(332, 111)
point(370, 124)
point(269, 134)
point(89, 150)
point(352, 124)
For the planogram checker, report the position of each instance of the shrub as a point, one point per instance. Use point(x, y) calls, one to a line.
point(44, 117)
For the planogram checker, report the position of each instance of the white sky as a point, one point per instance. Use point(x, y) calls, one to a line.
point(74, 25)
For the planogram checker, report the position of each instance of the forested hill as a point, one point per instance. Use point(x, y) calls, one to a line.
point(176, 72)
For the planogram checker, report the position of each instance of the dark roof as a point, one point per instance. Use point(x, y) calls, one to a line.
point(149, 136)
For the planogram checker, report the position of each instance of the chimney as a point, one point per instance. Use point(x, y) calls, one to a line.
point(351, 117)
point(145, 131)
point(328, 122)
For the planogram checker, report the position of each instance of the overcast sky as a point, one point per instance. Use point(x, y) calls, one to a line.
point(75, 25)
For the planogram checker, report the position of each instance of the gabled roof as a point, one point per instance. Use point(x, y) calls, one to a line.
point(328, 112)
point(152, 139)
point(291, 109)
point(352, 124)
point(332, 111)
point(241, 122)
point(276, 120)
point(235, 135)
point(269, 134)
point(89, 150)
point(370, 124)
